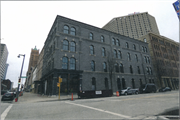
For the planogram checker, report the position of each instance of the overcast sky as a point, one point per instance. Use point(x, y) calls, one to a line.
point(25, 25)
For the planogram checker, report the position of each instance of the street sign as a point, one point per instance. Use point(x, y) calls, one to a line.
point(23, 77)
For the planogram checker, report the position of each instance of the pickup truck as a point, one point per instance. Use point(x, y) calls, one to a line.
point(129, 91)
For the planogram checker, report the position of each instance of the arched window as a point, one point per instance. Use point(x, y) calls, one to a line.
point(102, 38)
point(103, 52)
point(72, 64)
point(145, 59)
point(127, 45)
point(140, 82)
point(145, 49)
point(66, 29)
point(134, 46)
point(150, 71)
point(117, 42)
point(149, 60)
point(117, 67)
point(123, 83)
point(145, 40)
point(73, 47)
point(147, 70)
point(73, 31)
point(93, 83)
point(131, 69)
point(115, 54)
point(65, 45)
point(105, 67)
point(92, 50)
point(119, 84)
point(90, 36)
point(92, 65)
point(136, 57)
point(106, 84)
point(133, 83)
point(119, 55)
point(113, 42)
point(121, 68)
point(64, 63)
point(139, 72)
point(129, 56)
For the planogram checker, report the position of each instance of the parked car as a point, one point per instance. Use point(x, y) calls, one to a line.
point(164, 89)
point(147, 88)
point(8, 96)
point(4, 91)
point(129, 91)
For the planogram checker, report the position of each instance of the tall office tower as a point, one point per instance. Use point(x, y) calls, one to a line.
point(33, 59)
point(4, 56)
point(133, 25)
point(4, 76)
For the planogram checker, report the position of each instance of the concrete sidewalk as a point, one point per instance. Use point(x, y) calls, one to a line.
point(33, 97)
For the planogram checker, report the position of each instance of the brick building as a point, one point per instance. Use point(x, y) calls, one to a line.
point(165, 58)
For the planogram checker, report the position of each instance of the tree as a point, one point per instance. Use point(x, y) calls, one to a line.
point(111, 62)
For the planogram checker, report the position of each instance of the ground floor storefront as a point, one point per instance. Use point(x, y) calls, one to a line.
point(173, 82)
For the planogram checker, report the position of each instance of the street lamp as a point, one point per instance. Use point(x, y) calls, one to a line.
point(17, 94)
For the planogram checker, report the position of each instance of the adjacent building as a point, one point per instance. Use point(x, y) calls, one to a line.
point(79, 54)
point(165, 58)
point(34, 56)
point(4, 56)
point(133, 25)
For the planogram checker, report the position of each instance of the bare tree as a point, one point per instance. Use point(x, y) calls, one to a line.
point(111, 62)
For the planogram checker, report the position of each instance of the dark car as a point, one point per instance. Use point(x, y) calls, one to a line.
point(8, 96)
point(147, 88)
point(3, 91)
point(164, 89)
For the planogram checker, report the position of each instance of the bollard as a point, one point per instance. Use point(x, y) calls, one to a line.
point(117, 93)
point(15, 99)
point(72, 97)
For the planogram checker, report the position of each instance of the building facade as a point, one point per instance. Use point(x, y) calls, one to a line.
point(133, 25)
point(165, 57)
point(34, 56)
point(4, 56)
point(79, 53)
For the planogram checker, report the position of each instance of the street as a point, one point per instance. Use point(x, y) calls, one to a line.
point(142, 106)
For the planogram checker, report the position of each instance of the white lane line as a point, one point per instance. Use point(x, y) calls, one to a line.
point(120, 115)
point(3, 115)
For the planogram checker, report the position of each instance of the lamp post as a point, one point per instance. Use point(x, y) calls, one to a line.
point(17, 94)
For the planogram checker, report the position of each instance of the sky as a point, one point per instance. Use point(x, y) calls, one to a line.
point(26, 24)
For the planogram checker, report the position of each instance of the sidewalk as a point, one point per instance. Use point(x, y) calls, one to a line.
point(33, 97)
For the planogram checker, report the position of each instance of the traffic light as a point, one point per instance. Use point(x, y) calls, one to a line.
point(58, 84)
point(60, 80)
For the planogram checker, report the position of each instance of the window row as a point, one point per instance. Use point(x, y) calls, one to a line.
point(71, 31)
point(127, 46)
point(67, 65)
point(121, 84)
point(146, 59)
point(66, 46)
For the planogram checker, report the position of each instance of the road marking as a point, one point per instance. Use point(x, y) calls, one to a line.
point(3, 115)
point(120, 115)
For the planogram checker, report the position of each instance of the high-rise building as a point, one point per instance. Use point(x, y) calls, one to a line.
point(133, 25)
point(34, 56)
point(4, 56)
